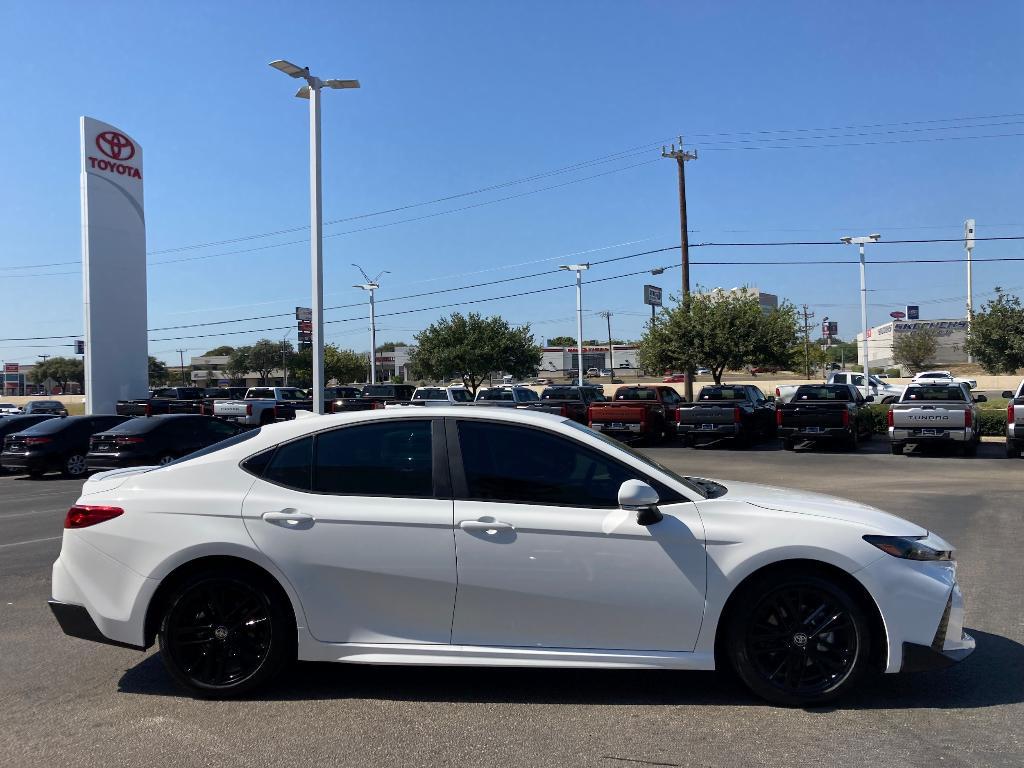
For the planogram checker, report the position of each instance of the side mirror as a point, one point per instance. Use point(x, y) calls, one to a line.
point(1008, 394)
point(769, 398)
point(981, 399)
point(869, 399)
point(637, 496)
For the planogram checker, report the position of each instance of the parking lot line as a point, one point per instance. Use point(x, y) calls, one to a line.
point(30, 541)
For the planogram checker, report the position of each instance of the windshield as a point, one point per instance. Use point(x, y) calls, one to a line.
point(623, 448)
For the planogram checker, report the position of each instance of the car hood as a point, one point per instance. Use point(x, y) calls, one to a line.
point(821, 505)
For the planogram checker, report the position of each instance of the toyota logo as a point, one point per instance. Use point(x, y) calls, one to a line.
point(115, 145)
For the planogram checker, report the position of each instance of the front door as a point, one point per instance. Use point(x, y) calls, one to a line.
point(547, 559)
point(355, 520)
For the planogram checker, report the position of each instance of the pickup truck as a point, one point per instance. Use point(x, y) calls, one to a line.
point(373, 396)
point(941, 377)
point(935, 413)
point(163, 400)
point(739, 412)
point(637, 412)
point(882, 391)
point(830, 412)
point(1014, 422)
point(569, 401)
point(437, 396)
point(263, 405)
point(212, 394)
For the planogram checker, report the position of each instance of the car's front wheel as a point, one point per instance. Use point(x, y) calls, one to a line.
point(798, 640)
point(75, 466)
point(223, 634)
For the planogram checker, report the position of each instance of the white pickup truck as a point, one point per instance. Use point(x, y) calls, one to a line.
point(1014, 421)
point(263, 405)
point(882, 391)
point(935, 413)
point(436, 396)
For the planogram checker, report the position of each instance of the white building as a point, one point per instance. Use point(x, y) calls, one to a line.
point(555, 359)
point(952, 334)
point(768, 301)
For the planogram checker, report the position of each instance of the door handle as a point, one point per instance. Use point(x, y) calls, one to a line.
point(290, 518)
point(487, 526)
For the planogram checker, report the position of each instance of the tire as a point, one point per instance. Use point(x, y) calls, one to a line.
point(224, 634)
point(165, 460)
point(853, 442)
point(1012, 450)
point(74, 466)
point(970, 449)
point(896, 448)
point(798, 639)
point(267, 417)
point(788, 445)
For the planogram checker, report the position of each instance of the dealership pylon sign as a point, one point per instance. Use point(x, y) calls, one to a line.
point(113, 267)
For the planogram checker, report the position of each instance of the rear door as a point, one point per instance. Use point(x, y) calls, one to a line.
point(359, 518)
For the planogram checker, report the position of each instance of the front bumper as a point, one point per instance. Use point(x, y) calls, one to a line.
point(901, 435)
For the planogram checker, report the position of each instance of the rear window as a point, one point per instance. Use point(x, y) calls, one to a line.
point(723, 393)
point(141, 425)
point(241, 437)
point(560, 393)
point(264, 393)
point(496, 394)
point(430, 394)
point(52, 426)
point(918, 394)
point(636, 394)
point(841, 394)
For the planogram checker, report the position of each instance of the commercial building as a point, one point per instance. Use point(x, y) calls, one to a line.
point(555, 359)
point(769, 302)
point(951, 336)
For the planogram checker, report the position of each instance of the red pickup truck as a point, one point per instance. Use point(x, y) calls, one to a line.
point(637, 412)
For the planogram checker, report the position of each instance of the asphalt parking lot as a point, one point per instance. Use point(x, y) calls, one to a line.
point(66, 702)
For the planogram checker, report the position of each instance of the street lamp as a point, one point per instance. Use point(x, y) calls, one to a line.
point(578, 269)
point(859, 242)
point(311, 91)
point(370, 286)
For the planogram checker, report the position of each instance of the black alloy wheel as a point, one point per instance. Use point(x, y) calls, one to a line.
point(223, 635)
point(799, 640)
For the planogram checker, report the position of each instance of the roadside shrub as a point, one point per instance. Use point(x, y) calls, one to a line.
point(992, 422)
point(893, 373)
point(879, 419)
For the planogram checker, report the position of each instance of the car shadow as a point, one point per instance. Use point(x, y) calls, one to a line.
point(992, 676)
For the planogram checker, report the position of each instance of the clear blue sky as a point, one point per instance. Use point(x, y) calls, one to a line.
point(462, 95)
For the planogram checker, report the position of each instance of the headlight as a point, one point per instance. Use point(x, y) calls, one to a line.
point(928, 547)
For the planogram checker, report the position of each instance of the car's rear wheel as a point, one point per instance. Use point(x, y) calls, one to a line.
point(165, 460)
point(223, 635)
point(970, 448)
point(75, 466)
point(799, 640)
point(896, 448)
point(788, 445)
point(1012, 450)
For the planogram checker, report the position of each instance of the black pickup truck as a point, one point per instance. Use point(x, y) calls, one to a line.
point(571, 402)
point(164, 400)
point(737, 412)
point(824, 412)
point(373, 396)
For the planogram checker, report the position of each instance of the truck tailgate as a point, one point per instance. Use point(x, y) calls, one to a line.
point(707, 413)
point(617, 418)
point(230, 408)
point(823, 415)
point(928, 417)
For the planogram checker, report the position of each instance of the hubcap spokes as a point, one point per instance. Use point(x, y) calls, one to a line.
point(802, 640)
point(220, 633)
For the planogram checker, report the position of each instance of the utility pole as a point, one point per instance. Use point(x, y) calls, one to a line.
point(969, 245)
point(607, 315)
point(808, 316)
point(859, 242)
point(681, 156)
point(370, 286)
point(579, 269)
point(181, 360)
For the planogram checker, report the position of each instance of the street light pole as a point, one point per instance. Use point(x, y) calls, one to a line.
point(311, 91)
point(860, 241)
point(969, 245)
point(370, 286)
point(578, 269)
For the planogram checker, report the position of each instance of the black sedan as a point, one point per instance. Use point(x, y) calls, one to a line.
point(155, 440)
point(55, 445)
point(53, 407)
point(9, 425)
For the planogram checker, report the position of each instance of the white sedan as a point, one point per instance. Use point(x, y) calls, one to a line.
point(493, 537)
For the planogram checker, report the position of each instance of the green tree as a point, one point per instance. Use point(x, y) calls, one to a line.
point(341, 365)
point(996, 339)
point(266, 355)
point(219, 351)
point(718, 330)
point(915, 349)
point(62, 370)
point(472, 346)
point(562, 341)
point(238, 363)
point(158, 374)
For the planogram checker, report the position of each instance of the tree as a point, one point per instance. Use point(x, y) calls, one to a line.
point(266, 355)
point(219, 351)
point(389, 346)
point(996, 339)
point(915, 349)
point(718, 330)
point(562, 341)
point(59, 369)
point(157, 372)
point(472, 347)
point(341, 365)
point(238, 363)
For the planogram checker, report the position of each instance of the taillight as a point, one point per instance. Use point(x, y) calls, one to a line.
point(1009, 413)
point(148, 410)
point(82, 516)
point(778, 416)
point(846, 418)
point(737, 415)
point(778, 393)
point(891, 419)
point(129, 440)
point(968, 418)
point(37, 440)
point(248, 409)
point(679, 417)
point(564, 410)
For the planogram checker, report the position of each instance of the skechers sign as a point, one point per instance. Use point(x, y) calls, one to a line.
point(118, 148)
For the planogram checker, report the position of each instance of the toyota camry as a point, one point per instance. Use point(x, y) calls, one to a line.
point(493, 537)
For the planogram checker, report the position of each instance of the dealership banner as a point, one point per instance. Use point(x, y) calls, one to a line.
point(113, 267)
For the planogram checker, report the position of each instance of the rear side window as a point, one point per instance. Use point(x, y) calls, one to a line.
point(394, 458)
point(291, 465)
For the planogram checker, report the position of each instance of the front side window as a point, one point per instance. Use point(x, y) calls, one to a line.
point(504, 462)
point(392, 458)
